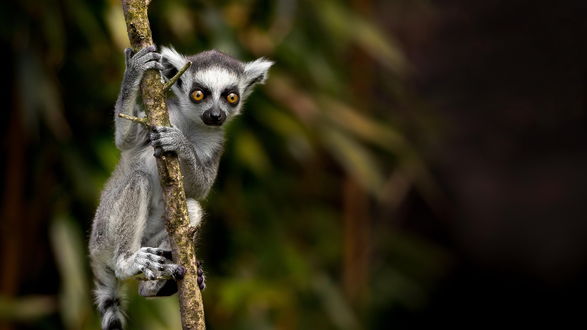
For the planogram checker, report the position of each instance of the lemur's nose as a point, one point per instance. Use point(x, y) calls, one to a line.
point(215, 116)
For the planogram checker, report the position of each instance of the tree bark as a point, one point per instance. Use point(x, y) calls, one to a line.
point(176, 214)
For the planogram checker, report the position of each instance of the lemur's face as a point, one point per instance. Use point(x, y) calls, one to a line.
point(214, 88)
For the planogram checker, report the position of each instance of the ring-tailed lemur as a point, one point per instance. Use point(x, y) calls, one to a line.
point(128, 234)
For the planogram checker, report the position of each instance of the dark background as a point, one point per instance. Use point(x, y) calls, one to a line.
point(508, 78)
point(408, 164)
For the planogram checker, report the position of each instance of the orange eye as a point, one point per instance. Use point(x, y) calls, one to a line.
point(232, 98)
point(197, 95)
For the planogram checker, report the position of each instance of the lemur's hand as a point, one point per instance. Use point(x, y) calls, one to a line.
point(136, 65)
point(167, 139)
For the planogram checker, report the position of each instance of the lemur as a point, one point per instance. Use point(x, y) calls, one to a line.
point(128, 235)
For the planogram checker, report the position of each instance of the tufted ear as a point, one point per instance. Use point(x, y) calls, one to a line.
point(256, 73)
point(172, 61)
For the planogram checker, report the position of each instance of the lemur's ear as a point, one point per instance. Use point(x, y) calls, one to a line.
point(172, 61)
point(256, 73)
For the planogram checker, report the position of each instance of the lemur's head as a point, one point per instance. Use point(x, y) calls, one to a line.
point(215, 87)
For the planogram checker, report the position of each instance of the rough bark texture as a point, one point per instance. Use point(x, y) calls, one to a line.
point(176, 214)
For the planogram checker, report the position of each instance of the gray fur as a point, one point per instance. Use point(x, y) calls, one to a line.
point(128, 234)
point(212, 58)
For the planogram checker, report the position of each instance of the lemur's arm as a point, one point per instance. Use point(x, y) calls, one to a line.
point(126, 133)
point(199, 171)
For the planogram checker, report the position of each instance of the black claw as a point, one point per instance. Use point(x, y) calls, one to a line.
point(201, 277)
point(179, 273)
point(158, 152)
point(201, 282)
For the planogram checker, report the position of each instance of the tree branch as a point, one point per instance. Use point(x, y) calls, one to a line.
point(176, 213)
point(177, 75)
point(142, 121)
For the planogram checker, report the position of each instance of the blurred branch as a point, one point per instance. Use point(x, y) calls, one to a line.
point(176, 213)
point(26, 308)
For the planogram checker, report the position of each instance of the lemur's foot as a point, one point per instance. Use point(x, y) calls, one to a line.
point(164, 288)
point(153, 263)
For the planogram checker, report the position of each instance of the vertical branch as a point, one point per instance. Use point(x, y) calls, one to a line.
point(176, 214)
point(356, 216)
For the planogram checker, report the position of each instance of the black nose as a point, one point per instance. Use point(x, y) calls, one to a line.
point(213, 117)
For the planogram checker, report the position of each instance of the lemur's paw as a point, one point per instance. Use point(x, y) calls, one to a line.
point(201, 276)
point(154, 264)
point(145, 59)
point(166, 139)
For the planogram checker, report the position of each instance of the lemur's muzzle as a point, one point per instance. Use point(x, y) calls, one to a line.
point(213, 117)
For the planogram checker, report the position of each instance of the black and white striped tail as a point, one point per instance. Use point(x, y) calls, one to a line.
point(109, 301)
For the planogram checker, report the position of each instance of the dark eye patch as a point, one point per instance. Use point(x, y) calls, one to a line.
point(201, 87)
point(230, 89)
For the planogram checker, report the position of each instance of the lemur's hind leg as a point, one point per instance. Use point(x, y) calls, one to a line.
point(163, 288)
point(130, 216)
point(122, 256)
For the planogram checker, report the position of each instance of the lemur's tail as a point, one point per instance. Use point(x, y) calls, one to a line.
point(109, 300)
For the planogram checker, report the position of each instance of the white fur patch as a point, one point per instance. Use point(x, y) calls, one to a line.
point(257, 68)
point(255, 73)
point(195, 212)
point(175, 58)
point(178, 61)
point(216, 79)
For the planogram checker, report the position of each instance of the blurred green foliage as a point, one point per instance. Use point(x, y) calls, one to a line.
point(274, 238)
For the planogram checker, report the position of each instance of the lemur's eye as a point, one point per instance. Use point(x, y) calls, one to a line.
point(197, 95)
point(232, 98)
